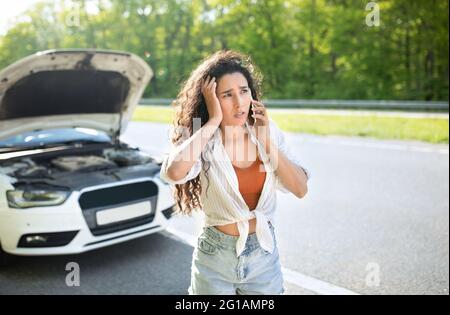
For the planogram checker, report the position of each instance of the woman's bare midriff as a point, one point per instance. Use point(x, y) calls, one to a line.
point(232, 229)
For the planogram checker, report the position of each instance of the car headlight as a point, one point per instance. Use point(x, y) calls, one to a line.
point(35, 198)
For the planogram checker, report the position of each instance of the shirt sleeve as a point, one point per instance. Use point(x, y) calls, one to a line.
point(285, 148)
point(193, 172)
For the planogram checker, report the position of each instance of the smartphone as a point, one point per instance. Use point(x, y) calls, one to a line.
point(250, 119)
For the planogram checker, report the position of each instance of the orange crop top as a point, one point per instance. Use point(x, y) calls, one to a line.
point(251, 182)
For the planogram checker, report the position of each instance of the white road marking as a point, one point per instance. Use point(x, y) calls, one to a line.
point(313, 284)
point(291, 276)
point(186, 238)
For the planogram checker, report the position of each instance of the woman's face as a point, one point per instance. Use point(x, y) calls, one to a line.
point(235, 97)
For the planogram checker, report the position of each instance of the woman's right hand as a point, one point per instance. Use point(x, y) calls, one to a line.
point(212, 102)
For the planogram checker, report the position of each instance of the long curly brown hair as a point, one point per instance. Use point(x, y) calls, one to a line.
point(191, 104)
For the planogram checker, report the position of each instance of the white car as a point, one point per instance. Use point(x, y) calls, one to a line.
point(68, 184)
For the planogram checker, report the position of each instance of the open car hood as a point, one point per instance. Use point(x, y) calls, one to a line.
point(71, 88)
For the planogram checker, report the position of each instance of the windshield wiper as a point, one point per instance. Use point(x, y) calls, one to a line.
point(75, 143)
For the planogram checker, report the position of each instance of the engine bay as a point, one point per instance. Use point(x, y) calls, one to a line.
point(66, 164)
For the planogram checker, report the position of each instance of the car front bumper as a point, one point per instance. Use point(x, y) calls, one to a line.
point(66, 228)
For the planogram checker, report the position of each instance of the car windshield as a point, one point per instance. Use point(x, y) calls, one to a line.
point(53, 137)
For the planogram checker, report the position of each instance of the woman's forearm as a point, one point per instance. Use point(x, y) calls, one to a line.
point(294, 179)
point(184, 156)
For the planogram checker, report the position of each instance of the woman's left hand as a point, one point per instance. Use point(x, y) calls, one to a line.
point(261, 125)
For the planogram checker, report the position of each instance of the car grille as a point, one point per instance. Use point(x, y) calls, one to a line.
point(102, 199)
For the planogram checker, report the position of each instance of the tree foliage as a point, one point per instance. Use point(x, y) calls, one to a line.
point(304, 48)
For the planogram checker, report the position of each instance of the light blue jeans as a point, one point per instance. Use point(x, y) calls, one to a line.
point(216, 270)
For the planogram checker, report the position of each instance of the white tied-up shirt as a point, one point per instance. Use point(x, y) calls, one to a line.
point(222, 201)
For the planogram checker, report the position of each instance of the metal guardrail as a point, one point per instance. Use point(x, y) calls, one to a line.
point(335, 104)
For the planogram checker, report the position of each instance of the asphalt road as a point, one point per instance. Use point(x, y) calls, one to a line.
point(375, 221)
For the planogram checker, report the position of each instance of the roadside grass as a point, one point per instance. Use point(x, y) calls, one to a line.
point(433, 130)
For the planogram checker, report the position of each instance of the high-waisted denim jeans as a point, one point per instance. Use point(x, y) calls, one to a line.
point(217, 270)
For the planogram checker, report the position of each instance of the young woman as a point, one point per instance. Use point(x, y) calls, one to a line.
point(228, 159)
